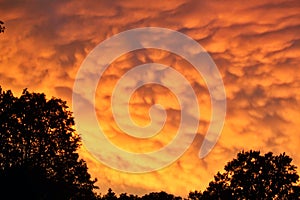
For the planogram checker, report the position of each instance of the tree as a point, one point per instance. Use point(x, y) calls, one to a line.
point(124, 196)
point(2, 27)
point(160, 196)
point(38, 149)
point(151, 196)
point(110, 195)
point(255, 176)
point(195, 195)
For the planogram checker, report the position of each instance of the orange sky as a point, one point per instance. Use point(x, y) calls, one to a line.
point(254, 44)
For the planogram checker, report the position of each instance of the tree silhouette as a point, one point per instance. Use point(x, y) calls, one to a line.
point(124, 196)
point(160, 196)
point(2, 27)
point(151, 196)
point(38, 150)
point(110, 195)
point(255, 176)
point(195, 195)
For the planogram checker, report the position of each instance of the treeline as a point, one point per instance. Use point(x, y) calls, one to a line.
point(39, 160)
point(151, 196)
point(249, 176)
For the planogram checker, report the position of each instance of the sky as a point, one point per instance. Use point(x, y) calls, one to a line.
point(254, 44)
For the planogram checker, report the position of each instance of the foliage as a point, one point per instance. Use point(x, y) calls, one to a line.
point(255, 176)
point(110, 195)
point(151, 196)
point(160, 196)
point(195, 195)
point(38, 149)
point(2, 27)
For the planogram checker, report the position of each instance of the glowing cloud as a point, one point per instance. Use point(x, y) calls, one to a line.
point(254, 44)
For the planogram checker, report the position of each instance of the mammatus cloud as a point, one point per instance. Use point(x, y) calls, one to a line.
point(254, 45)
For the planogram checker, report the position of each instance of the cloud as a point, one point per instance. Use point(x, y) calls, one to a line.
point(254, 44)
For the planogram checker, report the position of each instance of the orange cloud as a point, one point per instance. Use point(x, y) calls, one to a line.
point(254, 44)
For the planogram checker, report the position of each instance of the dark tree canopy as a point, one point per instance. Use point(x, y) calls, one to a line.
point(151, 196)
point(196, 195)
point(160, 196)
point(255, 176)
point(2, 27)
point(38, 150)
point(110, 195)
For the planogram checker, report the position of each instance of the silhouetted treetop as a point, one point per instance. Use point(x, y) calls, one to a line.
point(160, 196)
point(255, 176)
point(2, 27)
point(36, 133)
point(196, 195)
point(110, 195)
